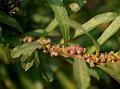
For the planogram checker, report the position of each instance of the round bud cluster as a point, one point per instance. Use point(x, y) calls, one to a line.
point(78, 52)
point(46, 44)
point(27, 39)
point(93, 60)
point(44, 41)
point(55, 50)
point(71, 51)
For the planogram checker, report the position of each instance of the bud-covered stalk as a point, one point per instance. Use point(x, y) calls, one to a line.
point(77, 52)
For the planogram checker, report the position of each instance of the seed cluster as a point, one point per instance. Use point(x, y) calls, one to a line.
point(76, 51)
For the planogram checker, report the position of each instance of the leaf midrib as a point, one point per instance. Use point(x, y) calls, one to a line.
point(21, 51)
point(64, 25)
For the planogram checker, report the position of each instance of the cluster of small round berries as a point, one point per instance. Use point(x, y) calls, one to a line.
point(27, 39)
point(76, 51)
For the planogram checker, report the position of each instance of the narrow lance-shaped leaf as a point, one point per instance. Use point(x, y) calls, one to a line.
point(109, 16)
point(27, 61)
point(118, 51)
point(0, 33)
point(5, 54)
point(93, 73)
point(111, 30)
point(6, 19)
point(37, 58)
point(64, 80)
point(27, 53)
point(81, 2)
point(47, 73)
point(95, 21)
point(45, 68)
point(35, 33)
point(113, 69)
point(53, 24)
point(48, 76)
point(61, 16)
point(25, 49)
point(81, 73)
point(76, 25)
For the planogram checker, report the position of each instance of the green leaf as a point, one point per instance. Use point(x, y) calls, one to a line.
point(26, 48)
point(47, 73)
point(111, 30)
point(95, 21)
point(103, 76)
point(81, 73)
point(12, 40)
point(53, 24)
point(93, 73)
point(113, 69)
point(81, 2)
point(50, 28)
point(48, 76)
point(27, 83)
point(118, 51)
point(0, 32)
point(76, 25)
point(35, 33)
point(5, 54)
point(74, 7)
point(27, 61)
point(64, 80)
point(61, 16)
point(37, 56)
point(6, 19)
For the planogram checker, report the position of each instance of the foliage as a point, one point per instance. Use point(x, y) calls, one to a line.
point(59, 44)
